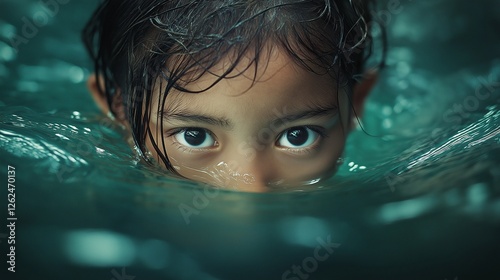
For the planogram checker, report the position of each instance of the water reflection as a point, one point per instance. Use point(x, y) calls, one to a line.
point(421, 196)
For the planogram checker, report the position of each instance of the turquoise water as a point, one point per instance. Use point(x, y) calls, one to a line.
point(418, 200)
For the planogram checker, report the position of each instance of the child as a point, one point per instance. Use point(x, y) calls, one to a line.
point(248, 94)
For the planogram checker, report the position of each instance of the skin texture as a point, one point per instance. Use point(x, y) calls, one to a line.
point(246, 123)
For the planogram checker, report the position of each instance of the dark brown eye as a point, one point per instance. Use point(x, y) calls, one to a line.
point(195, 137)
point(298, 137)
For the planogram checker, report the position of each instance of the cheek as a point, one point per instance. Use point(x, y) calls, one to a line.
point(321, 164)
point(329, 159)
point(187, 165)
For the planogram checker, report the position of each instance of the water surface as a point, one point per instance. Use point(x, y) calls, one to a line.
point(416, 198)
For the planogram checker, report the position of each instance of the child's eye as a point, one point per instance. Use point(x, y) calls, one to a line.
point(298, 137)
point(193, 137)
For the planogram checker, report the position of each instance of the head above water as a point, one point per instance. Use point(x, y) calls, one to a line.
point(244, 94)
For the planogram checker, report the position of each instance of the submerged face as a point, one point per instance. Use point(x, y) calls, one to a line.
point(280, 129)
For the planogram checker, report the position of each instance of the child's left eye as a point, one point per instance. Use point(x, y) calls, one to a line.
point(298, 137)
point(194, 137)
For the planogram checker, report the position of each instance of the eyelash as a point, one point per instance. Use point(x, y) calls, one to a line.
point(298, 151)
point(302, 151)
point(183, 148)
point(187, 149)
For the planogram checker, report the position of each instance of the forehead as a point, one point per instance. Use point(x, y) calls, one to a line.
point(272, 78)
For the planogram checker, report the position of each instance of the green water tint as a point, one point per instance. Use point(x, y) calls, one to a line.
point(418, 200)
point(410, 213)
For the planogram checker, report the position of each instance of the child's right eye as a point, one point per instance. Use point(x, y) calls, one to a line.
point(194, 137)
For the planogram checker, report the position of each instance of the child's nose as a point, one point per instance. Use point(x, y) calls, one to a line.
point(251, 175)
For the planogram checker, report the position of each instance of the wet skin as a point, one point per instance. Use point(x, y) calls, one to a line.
point(286, 128)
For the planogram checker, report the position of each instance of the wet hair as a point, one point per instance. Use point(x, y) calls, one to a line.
point(137, 44)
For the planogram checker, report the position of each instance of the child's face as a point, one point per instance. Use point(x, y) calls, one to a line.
point(283, 129)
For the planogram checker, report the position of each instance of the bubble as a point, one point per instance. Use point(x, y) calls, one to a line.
point(386, 110)
point(7, 53)
point(387, 123)
point(76, 74)
point(39, 15)
point(99, 248)
point(407, 209)
point(7, 30)
point(303, 230)
point(477, 194)
point(40, 18)
point(403, 68)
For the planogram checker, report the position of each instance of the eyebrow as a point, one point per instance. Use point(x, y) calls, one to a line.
point(186, 116)
point(190, 117)
point(312, 112)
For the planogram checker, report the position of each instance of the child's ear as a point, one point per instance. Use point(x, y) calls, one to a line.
point(100, 98)
point(361, 91)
